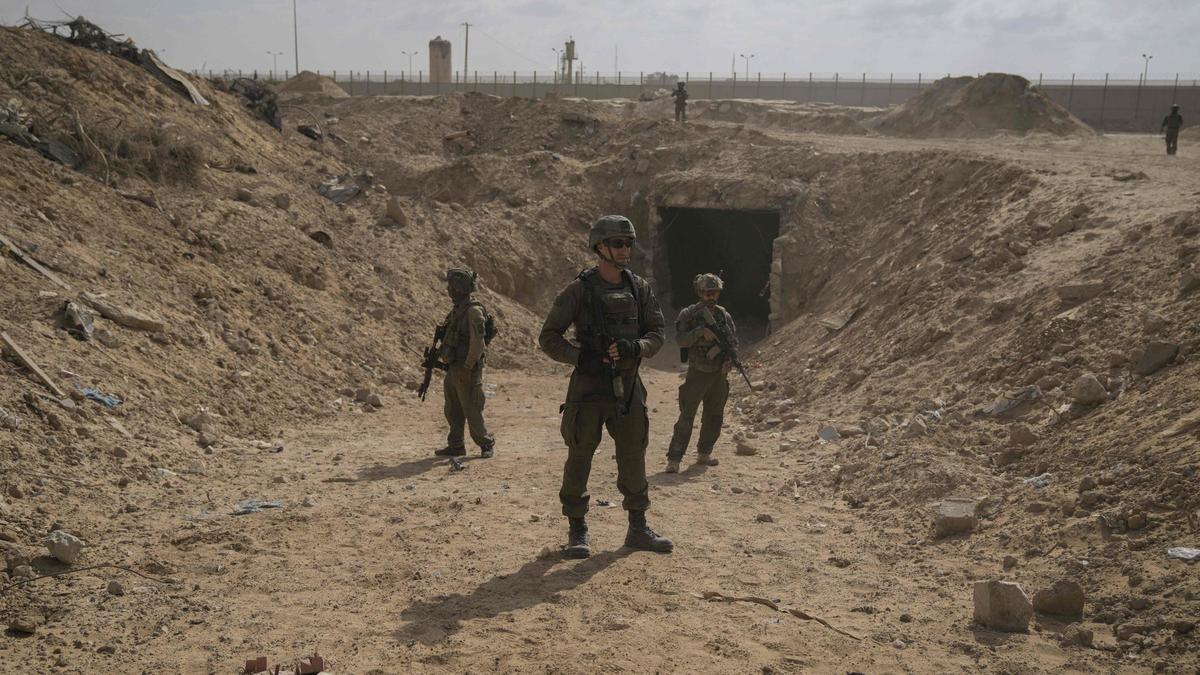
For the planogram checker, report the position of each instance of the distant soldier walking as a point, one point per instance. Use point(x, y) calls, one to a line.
point(681, 96)
point(617, 322)
point(707, 381)
point(1171, 125)
point(462, 350)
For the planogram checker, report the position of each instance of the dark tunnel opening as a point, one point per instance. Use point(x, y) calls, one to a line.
point(737, 243)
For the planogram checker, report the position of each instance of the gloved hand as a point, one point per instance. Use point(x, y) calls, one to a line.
point(590, 362)
point(629, 349)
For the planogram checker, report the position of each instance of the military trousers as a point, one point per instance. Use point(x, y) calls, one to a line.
point(463, 388)
point(1172, 141)
point(582, 429)
point(680, 113)
point(699, 388)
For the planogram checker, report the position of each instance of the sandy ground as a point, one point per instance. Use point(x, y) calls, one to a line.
point(401, 565)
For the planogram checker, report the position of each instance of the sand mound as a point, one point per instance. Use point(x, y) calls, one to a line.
point(958, 107)
point(310, 83)
point(1190, 134)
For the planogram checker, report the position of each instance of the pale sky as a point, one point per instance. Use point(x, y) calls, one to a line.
point(1056, 37)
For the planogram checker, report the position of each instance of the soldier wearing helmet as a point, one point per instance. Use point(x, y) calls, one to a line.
point(1171, 125)
point(463, 349)
point(681, 96)
point(617, 323)
point(707, 382)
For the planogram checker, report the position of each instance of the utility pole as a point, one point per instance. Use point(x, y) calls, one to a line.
point(466, 47)
point(274, 61)
point(296, 36)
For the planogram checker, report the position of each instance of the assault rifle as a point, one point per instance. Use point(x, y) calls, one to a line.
point(724, 342)
point(603, 341)
point(430, 359)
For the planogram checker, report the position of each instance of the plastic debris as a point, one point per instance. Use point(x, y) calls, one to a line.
point(256, 505)
point(1038, 481)
point(1185, 554)
point(107, 400)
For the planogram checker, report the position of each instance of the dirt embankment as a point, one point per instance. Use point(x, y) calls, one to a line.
point(963, 107)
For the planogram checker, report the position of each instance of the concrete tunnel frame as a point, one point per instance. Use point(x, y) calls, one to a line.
point(759, 229)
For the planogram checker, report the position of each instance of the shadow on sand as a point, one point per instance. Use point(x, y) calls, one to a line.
point(538, 581)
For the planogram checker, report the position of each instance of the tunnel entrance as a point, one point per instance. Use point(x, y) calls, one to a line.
point(739, 242)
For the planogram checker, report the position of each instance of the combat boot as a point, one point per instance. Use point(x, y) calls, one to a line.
point(707, 459)
point(487, 451)
point(672, 466)
point(641, 537)
point(577, 540)
point(451, 452)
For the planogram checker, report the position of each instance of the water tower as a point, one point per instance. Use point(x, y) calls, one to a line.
point(440, 69)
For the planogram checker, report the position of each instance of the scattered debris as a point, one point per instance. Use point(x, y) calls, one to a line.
point(63, 546)
point(1002, 605)
point(106, 400)
point(28, 260)
point(1063, 598)
point(75, 320)
point(256, 505)
point(714, 596)
point(123, 316)
point(1185, 554)
point(12, 348)
point(955, 515)
point(1038, 481)
point(339, 190)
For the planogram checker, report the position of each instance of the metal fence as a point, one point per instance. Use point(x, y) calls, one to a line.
point(1110, 102)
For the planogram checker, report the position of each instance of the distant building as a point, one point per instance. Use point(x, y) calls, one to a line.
point(440, 69)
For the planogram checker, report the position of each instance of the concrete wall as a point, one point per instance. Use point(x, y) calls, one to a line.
point(1122, 106)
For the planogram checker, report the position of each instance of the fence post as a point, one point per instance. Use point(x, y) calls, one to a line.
point(758, 86)
point(1175, 90)
point(597, 94)
point(534, 85)
point(1039, 79)
point(809, 87)
point(918, 82)
point(385, 80)
point(891, 79)
point(835, 87)
point(710, 85)
point(1071, 92)
point(641, 83)
point(1103, 100)
point(495, 83)
point(783, 88)
point(1137, 102)
point(862, 96)
point(476, 87)
point(514, 83)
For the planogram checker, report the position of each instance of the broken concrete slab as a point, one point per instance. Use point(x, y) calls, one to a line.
point(955, 515)
point(1002, 605)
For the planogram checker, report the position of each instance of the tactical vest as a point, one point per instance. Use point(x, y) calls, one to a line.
point(622, 307)
point(697, 356)
point(457, 342)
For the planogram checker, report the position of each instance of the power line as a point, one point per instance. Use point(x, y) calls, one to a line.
point(506, 46)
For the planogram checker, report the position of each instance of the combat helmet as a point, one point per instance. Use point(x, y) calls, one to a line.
point(610, 227)
point(461, 281)
point(708, 282)
point(1174, 107)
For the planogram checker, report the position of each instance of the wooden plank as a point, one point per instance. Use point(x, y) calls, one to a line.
point(28, 363)
point(25, 258)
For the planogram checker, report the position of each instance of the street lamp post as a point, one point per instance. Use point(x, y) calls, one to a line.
point(1146, 69)
point(410, 56)
point(557, 63)
point(747, 58)
point(274, 62)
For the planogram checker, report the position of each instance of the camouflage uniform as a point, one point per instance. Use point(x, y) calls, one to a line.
point(681, 96)
point(633, 314)
point(1171, 125)
point(463, 349)
point(706, 383)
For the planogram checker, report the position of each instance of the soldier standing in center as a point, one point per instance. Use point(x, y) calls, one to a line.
point(681, 96)
point(617, 322)
point(707, 380)
point(463, 351)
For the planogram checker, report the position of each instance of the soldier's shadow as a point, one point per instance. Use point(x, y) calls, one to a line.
point(400, 471)
point(430, 621)
point(665, 478)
